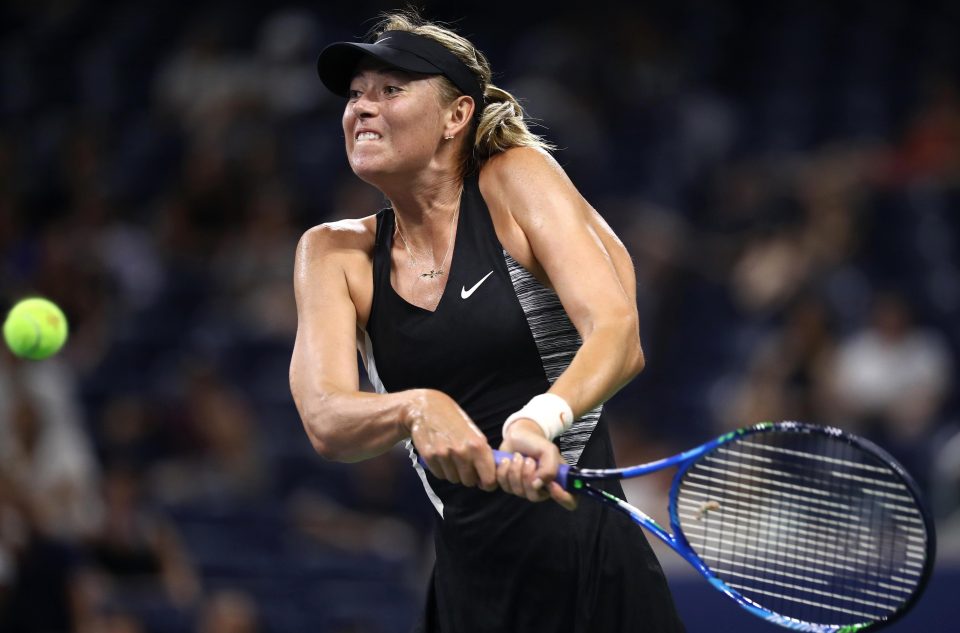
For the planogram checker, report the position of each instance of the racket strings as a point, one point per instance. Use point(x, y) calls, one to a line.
point(807, 525)
point(815, 521)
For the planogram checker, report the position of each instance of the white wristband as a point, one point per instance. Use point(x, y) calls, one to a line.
point(549, 411)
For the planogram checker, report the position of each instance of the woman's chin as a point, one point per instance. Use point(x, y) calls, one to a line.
point(369, 176)
point(365, 168)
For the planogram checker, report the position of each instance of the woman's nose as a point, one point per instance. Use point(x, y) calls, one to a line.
point(364, 107)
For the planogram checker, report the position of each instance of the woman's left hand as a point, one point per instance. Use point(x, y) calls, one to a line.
point(532, 471)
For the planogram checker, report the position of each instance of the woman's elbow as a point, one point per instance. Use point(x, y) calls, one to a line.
point(319, 431)
point(635, 360)
point(326, 443)
point(334, 447)
point(624, 332)
point(321, 443)
point(319, 440)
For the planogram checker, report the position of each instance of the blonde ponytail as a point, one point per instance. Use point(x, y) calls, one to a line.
point(502, 126)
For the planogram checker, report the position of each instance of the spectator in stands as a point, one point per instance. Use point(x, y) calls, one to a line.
point(137, 550)
point(893, 375)
point(219, 458)
point(45, 449)
point(228, 611)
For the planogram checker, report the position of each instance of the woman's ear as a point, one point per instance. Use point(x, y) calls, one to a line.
point(461, 111)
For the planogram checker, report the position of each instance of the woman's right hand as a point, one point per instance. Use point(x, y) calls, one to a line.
point(449, 442)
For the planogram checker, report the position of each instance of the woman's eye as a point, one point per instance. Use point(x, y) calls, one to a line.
point(353, 94)
point(392, 90)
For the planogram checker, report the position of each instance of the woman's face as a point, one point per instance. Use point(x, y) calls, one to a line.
point(393, 121)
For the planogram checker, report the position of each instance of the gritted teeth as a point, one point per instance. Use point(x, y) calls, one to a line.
point(367, 136)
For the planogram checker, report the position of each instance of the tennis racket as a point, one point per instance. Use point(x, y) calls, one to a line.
point(806, 526)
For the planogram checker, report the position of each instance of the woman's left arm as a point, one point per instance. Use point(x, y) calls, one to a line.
point(585, 264)
point(591, 271)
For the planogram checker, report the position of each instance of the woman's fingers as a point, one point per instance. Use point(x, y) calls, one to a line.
point(532, 484)
point(456, 450)
point(515, 474)
point(466, 470)
point(503, 466)
point(451, 445)
point(510, 475)
point(518, 476)
point(561, 496)
point(443, 468)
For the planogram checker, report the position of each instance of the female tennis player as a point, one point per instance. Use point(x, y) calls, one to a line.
point(492, 306)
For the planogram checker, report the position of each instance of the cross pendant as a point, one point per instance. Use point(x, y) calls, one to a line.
point(432, 273)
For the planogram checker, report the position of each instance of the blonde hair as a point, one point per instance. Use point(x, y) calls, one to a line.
point(501, 124)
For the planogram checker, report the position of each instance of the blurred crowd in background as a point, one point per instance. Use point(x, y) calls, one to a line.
point(786, 176)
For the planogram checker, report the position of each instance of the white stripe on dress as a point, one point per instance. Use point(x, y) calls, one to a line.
point(374, 378)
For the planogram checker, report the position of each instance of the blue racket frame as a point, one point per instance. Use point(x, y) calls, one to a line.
point(577, 481)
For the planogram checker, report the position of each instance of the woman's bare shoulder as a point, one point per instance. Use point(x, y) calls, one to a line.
point(339, 237)
point(507, 164)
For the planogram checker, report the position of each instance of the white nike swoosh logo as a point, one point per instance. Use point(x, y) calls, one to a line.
point(465, 294)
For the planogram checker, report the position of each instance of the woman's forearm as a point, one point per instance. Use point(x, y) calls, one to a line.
point(610, 357)
point(353, 426)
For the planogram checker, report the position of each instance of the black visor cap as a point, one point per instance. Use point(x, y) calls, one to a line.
point(398, 49)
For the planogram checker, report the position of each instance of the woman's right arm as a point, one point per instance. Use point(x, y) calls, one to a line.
point(342, 422)
point(347, 424)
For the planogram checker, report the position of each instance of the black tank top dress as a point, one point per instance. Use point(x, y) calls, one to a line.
point(496, 339)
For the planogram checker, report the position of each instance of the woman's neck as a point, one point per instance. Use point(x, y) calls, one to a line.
point(425, 207)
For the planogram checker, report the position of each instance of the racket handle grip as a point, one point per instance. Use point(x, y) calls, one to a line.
point(499, 456)
point(562, 471)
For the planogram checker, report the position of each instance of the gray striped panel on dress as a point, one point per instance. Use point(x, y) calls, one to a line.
point(557, 341)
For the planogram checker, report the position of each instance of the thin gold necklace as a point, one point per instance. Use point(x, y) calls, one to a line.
point(437, 270)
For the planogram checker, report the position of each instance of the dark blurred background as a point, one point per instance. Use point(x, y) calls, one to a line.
point(785, 174)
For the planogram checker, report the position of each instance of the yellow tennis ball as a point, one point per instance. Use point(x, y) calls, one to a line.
point(35, 328)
